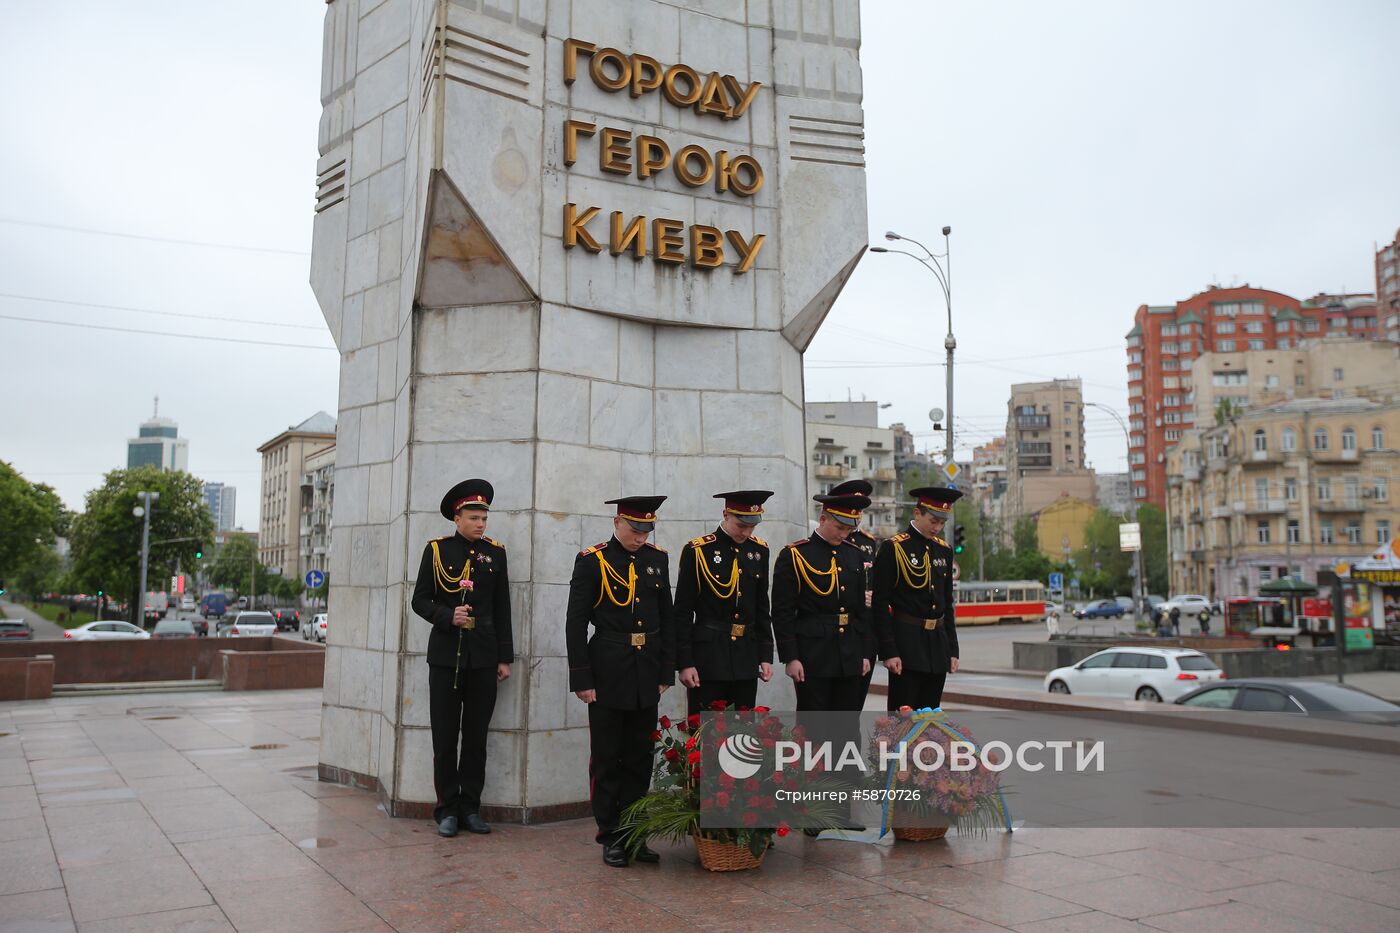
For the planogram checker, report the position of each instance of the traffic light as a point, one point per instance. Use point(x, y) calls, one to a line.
point(958, 539)
point(2, 588)
point(199, 553)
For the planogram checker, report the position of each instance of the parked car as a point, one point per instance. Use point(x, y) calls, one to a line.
point(248, 623)
point(188, 604)
point(174, 628)
point(315, 628)
point(1149, 674)
point(242, 602)
point(1315, 699)
point(201, 626)
point(1125, 601)
point(15, 630)
point(106, 631)
point(1100, 609)
point(1190, 605)
point(288, 620)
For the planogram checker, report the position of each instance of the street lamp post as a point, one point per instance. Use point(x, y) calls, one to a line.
point(944, 273)
point(143, 512)
point(1140, 583)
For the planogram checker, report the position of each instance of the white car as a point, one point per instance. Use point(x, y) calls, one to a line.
point(1148, 674)
point(315, 628)
point(247, 624)
point(1191, 606)
point(187, 604)
point(110, 630)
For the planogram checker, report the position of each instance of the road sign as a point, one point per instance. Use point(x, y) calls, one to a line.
point(1130, 536)
point(315, 579)
point(951, 470)
point(1057, 581)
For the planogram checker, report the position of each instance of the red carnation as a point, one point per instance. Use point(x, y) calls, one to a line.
point(665, 722)
point(718, 706)
point(751, 784)
point(656, 736)
point(721, 799)
point(783, 829)
point(672, 755)
point(750, 818)
point(760, 709)
point(693, 721)
point(690, 742)
point(726, 782)
point(744, 709)
point(906, 709)
point(755, 802)
point(694, 758)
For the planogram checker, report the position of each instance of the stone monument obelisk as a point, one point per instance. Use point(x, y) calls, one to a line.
point(576, 247)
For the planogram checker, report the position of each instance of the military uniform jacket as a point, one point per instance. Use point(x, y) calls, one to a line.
point(626, 597)
point(723, 625)
point(436, 596)
point(914, 577)
point(809, 600)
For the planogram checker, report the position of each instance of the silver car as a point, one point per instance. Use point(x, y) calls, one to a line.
point(247, 624)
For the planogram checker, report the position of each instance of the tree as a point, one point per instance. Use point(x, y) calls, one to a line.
point(106, 537)
point(1104, 567)
point(1226, 410)
point(31, 516)
point(233, 567)
point(1154, 547)
point(1026, 562)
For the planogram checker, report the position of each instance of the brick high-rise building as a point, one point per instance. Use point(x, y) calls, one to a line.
point(1165, 339)
point(1388, 289)
point(1045, 447)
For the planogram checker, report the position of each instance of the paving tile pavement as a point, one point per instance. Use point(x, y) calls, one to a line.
point(115, 817)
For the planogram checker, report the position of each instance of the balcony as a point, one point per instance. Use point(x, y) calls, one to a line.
point(1034, 461)
point(1217, 463)
point(1198, 556)
point(1264, 457)
point(1221, 511)
point(1195, 515)
point(883, 475)
point(831, 471)
point(1265, 507)
point(1339, 505)
point(1192, 474)
point(1335, 456)
point(1032, 422)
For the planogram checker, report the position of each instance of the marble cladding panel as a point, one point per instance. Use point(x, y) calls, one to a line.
point(435, 467)
point(743, 423)
point(349, 606)
point(382, 86)
point(345, 739)
point(549, 606)
point(690, 358)
point(552, 771)
point(558, 538)
point(485, 406)
point(563, 409)
point(490, 338)
point(578, 342)
point(620, 416)
point(382, 30)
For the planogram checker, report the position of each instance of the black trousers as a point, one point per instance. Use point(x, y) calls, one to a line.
point(737, 692)
point(915, 689)
point(832, 693)
point(619, 762)
point(464, 711)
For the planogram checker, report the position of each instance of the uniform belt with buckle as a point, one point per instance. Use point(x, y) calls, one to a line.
point(928, 625)
point(470, 624)
point(637, 640)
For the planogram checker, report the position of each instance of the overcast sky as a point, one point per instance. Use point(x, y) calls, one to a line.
point(1090, 157)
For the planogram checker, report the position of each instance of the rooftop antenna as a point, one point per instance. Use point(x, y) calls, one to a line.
point(156, 413)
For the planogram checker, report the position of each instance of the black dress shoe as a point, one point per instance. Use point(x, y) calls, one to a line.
point(645, 854)
point(475, 824)
point(615, 856)
point(447, 826)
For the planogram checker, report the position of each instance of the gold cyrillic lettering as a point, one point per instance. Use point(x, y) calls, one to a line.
point(572, 48)
point(712, 99)
point(572, 130)
point(665, 244)
point(576, 228)
point(748, 251)
point(706, 246)
point(614, 152)
point(653, 155)
point(646, 74)
point(742, 98)
point(682, 166)
point(633, 236)
point(596, 67)
point(668, 85)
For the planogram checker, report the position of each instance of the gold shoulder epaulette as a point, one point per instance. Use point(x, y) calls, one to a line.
point(759, 541)
point(799, 541)
point(703, 539)
point(496, 543)
point(593, 550)
point(443, 538)
point(656, 547)
point(902, 536)
point(940, 541)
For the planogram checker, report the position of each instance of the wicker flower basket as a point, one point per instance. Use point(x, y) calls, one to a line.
point(919, 833)
point(725, 856)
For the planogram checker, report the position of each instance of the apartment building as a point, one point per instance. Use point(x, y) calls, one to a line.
point(846, 442)
point(317, 506)
point(1166, 339)
point(283, 465)
point(1388, 289)
point(1045, 447)
point(1283, 490)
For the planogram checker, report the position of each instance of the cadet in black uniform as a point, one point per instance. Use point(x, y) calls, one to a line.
point(724, 631)
point(463, 589)
point(820, 620)
point(623, 588)
point(913, 605)
point(861, 539)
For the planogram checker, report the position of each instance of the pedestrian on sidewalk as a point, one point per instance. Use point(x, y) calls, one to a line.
point(463, 589)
